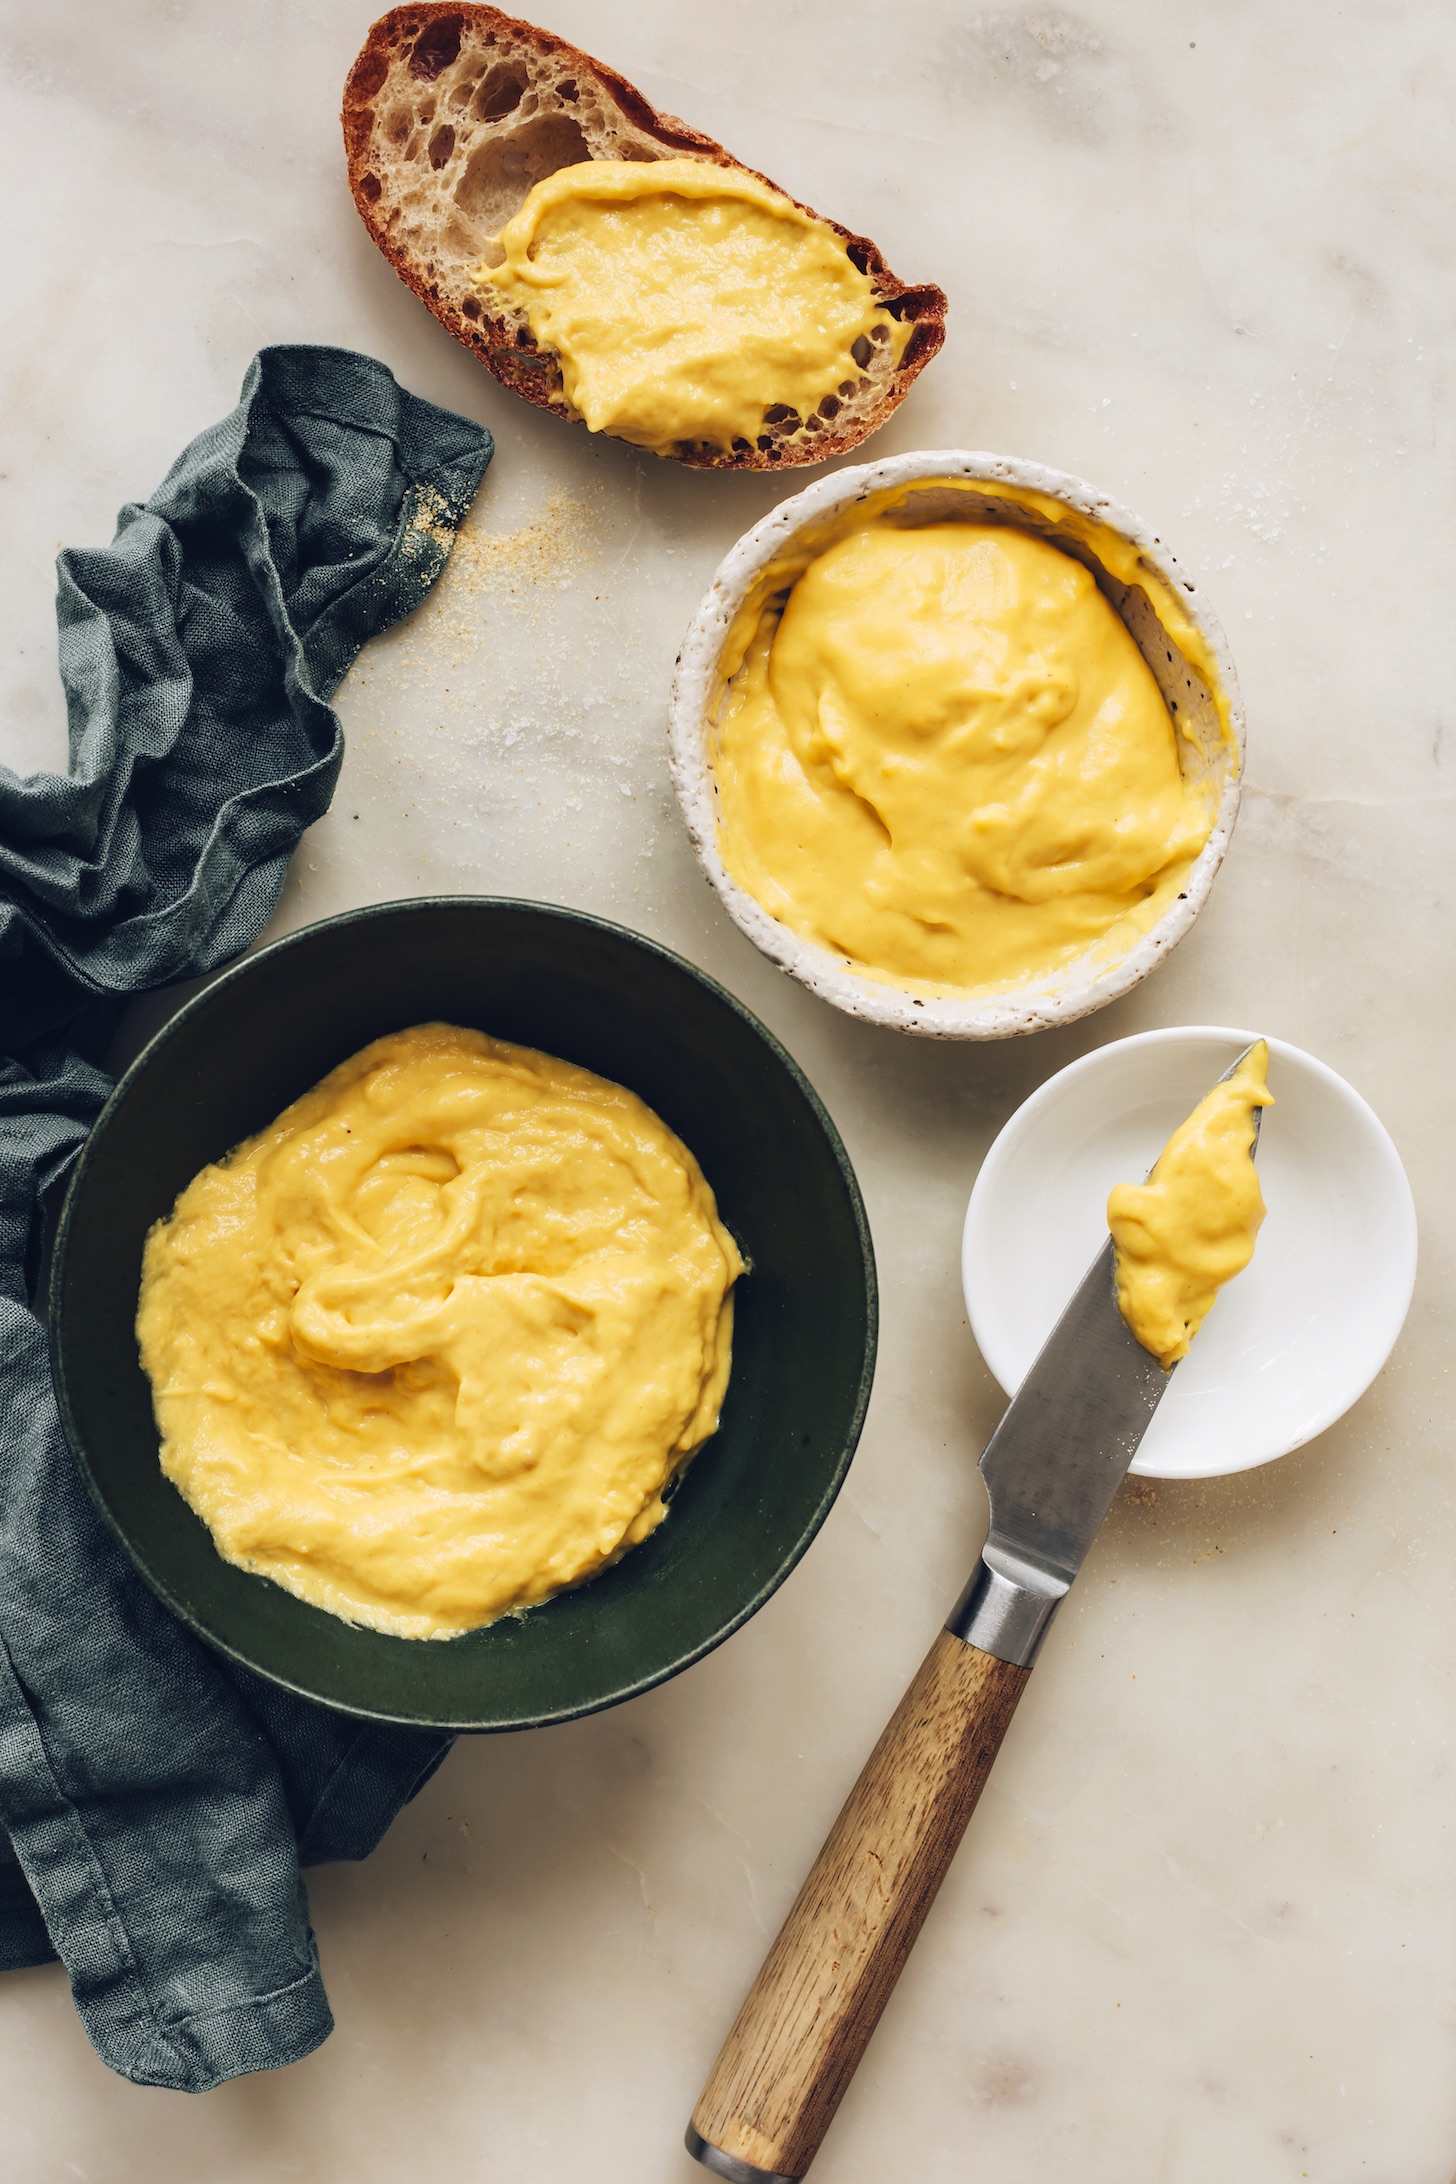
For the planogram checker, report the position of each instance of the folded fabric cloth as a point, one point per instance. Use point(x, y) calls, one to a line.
point(159, 1802)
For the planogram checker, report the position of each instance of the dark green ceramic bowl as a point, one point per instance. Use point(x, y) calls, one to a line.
point(804, 1334)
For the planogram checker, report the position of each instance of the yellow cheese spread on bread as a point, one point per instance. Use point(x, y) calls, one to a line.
point(1191, 1227)
point(944, 758)
point(685, 300)
point(433, 1345)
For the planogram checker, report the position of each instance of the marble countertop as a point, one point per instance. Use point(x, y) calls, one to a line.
point(1204, 1926)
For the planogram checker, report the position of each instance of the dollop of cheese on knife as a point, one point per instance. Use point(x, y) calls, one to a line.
point(1192, 1226)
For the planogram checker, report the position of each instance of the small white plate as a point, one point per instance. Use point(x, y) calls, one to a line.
point(1302, 1332)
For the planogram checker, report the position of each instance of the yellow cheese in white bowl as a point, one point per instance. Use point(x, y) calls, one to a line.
point(957, 744)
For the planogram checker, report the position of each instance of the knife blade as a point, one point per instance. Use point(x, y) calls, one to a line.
point(1051, 1468)
point(1056, 1460)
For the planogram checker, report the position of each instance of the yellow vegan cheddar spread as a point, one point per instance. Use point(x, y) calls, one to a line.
point(944, 757)
point(432, 1346)
point(684, 299)
point(1191, 1227)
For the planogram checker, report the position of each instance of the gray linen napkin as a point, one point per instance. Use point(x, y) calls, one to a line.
point(159, 1802)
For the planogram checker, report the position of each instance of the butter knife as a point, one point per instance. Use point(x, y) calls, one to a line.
point(1051, 1469)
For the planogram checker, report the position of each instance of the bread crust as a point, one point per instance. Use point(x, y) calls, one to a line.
point(451, 115)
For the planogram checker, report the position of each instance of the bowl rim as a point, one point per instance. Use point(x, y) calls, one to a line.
point(1072, 993)
point(1394, 1298)
point(125, 1085)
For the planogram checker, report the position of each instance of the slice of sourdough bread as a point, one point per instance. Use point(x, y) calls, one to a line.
point(451, 116)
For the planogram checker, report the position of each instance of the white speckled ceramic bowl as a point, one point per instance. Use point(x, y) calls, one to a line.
point(1172, 627)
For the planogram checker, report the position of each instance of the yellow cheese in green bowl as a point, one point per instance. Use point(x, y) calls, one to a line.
point(510, 1310)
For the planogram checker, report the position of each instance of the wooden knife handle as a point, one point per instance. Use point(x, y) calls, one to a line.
point(798, 2038)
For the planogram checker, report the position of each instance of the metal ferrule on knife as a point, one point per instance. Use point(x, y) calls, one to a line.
point(1006, 1614)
